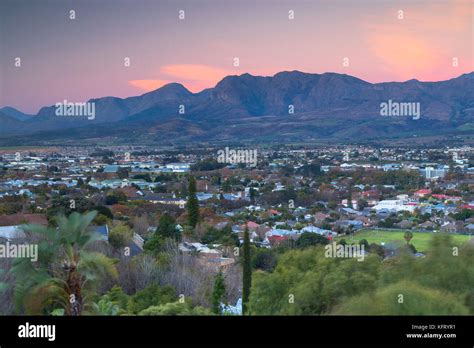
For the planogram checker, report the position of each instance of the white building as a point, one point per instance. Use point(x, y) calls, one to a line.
point(394, 205)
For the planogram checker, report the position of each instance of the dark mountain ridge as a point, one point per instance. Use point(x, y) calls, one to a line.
point(329, 105)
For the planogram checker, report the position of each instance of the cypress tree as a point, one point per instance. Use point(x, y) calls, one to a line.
point(247, 272)
point(218, 293)
point(193, 204)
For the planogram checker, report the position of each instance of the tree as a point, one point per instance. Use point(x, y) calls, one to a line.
point(365, 243)
point(167, 227)
point(123, 172)
point(252, 194)
point(120, 235)
point(408, 236)
point(153, 295)
point(349, 197)
point(115, 197)
point(165, 231)
point(307, 239)
point(226, 186)
point(103, 210)
point(105, 307)
point(220, 236)
point(175, 308)
point(218, 293)
point(361, 204)
point(264, 259)
point(66, 271)
point(416, 300)
point(247, 272)
point(316, 282)
point(193, 203)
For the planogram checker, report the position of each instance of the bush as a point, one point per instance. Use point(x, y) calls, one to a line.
point(307, 239)
point(416, 300)
point(153, 295)
point(175, 308)
point(120, 235)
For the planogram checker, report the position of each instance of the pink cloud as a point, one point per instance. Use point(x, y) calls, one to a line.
point(416, 46)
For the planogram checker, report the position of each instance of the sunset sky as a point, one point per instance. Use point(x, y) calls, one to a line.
point(84, 58)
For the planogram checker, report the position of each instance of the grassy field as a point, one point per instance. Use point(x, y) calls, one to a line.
point(420, 239)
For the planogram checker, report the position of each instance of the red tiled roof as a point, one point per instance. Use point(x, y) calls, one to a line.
point(252, 224)
point(441, 196)
point(18, 219)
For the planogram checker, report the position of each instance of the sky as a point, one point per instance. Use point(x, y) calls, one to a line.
point(85, 57)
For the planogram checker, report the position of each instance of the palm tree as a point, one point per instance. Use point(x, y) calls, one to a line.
point(66, 270)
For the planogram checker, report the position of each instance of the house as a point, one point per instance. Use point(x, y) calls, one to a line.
point(320, 217)
point(162, 199)
point(453, 227)
point(131, 192)
point(405, 224)
point(11, 232)
point(274, 212)
point(349, 211)
point(280, 232)
point(427, 225)
point(355, 224)
point(178, 167)
point(393, 205)
point(317, 230)
point(103, 231)
point(374, 194)
point(202, 196)
point(446, 197)
point(207, 257)
point(422, 193)
point(252, 226)
point(276, 239)
point(469, 228)
point(21, 218)
point(111, 168)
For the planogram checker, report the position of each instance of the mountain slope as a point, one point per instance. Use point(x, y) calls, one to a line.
point(326, 106)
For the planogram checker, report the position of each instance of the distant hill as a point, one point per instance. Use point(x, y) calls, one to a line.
point(12, 112)
point(329, 106)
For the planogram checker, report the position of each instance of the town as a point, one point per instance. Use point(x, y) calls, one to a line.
point(288, 198)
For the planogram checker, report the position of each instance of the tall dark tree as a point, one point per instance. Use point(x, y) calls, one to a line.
point(252, 194)
point(218, 293)
point(167, 227)
point(226, 186)
point(193, 204)
point(247, 272)
point(349, 197)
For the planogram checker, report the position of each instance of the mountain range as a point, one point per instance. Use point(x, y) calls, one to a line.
point(287, 107)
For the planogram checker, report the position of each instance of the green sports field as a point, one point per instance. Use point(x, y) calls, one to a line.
point(420, 239)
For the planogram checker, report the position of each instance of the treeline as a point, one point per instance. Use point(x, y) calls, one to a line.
point(305, 282)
